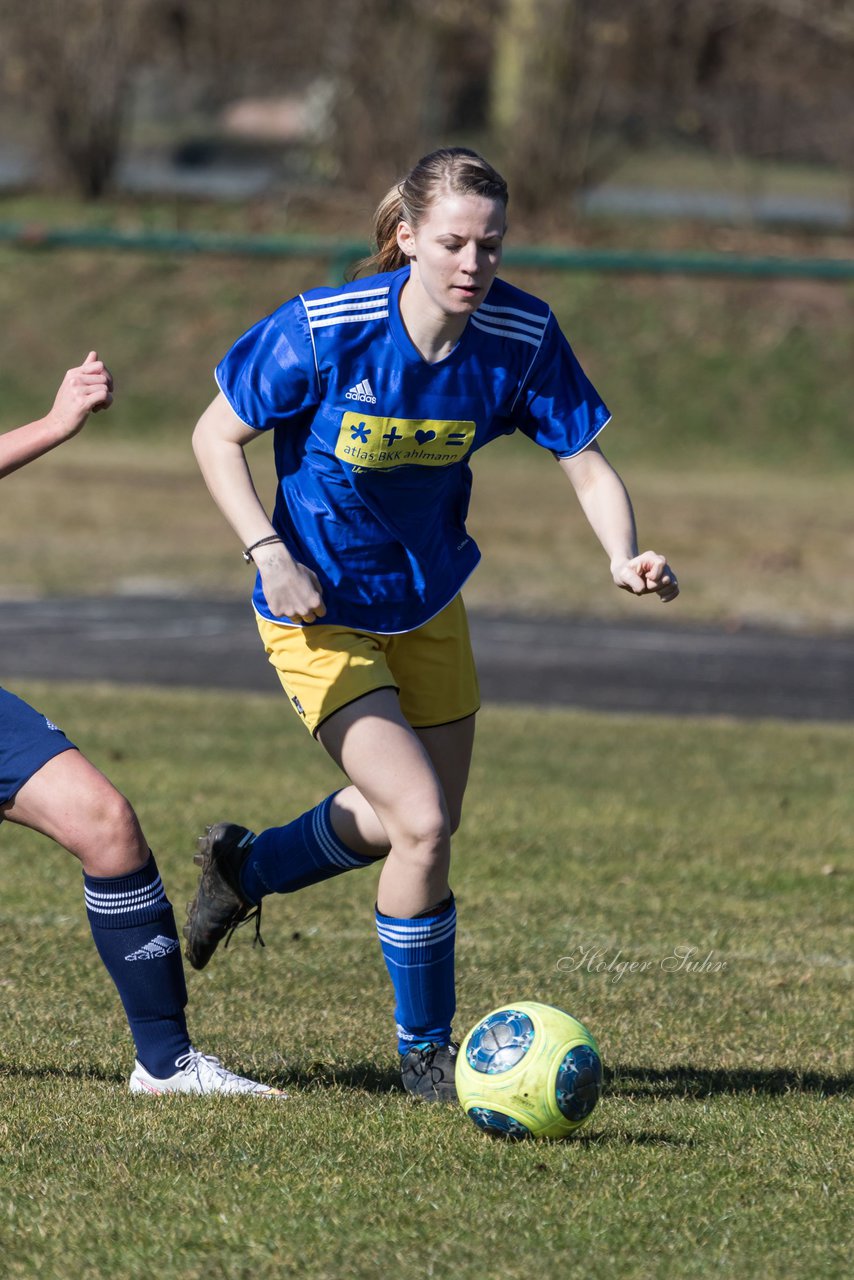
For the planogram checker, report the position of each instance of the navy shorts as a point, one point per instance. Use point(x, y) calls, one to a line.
point(27, 741)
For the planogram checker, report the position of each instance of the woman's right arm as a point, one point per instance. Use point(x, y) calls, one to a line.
point(219, 441)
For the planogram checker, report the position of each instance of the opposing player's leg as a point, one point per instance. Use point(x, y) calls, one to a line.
point(71, 801)
point(129, 914)
point(130, 917)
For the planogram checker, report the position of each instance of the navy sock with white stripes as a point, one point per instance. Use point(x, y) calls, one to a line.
point(134, 930)
point(419, 956)
point(306, 851)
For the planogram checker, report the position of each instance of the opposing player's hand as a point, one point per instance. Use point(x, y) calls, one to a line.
point(292, 590)
point(83, 390)
point(646, 574)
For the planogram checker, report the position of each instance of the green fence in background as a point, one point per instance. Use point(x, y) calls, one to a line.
point(341, 254)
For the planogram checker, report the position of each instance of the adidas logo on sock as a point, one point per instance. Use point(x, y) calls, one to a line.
point(362, 391)
point(155, 949)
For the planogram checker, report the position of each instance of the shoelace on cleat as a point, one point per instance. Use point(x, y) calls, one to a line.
point(254, 914)
point(426, 1062)
point(195, 1059)
point(206, 1065)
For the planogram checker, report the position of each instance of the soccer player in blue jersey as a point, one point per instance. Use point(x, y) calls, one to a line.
point(377, 394)
point(48, 785)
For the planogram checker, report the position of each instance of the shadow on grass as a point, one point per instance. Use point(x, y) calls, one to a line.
point(77, 1071)
point(622, 1138)
point(686, 1081)
point(680, 1081)
point(365, 1077)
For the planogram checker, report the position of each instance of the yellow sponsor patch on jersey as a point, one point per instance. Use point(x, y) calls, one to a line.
point(382, 443)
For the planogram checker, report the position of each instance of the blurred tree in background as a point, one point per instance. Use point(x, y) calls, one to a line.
point(73, 62)
point(556, 91)
point(552, 71)
point(406, 75)
point(767, 79)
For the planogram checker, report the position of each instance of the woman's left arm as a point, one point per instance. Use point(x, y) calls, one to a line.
point(608, 509)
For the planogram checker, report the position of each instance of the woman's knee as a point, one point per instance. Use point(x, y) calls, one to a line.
point(424, 828)
point(111, 838)
point(116, 814)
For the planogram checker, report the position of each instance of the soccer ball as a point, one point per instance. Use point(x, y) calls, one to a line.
point(529, 1071)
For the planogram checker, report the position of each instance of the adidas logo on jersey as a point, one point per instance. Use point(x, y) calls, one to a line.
point(363, 391)
point(155, 949)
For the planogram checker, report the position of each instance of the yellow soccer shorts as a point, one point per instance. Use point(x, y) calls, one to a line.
point(323, 668)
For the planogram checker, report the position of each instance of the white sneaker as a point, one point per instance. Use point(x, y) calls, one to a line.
point(199, 1073)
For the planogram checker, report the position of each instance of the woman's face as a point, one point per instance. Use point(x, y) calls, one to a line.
point(455, 252)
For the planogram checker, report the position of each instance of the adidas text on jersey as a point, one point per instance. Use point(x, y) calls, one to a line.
point(362, 391)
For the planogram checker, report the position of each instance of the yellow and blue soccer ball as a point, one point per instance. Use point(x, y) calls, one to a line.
point(529, 1071)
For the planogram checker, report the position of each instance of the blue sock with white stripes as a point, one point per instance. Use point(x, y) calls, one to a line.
point(306, 851)
point(419, 956)
point(134, 930)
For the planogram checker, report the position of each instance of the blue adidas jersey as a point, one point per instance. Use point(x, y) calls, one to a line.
point(372, 444)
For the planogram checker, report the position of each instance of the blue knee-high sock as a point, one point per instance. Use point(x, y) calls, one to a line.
point(306, 851)
point(419, 956)
point(134, 930)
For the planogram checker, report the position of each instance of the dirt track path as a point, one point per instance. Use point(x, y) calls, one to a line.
point(557, 661)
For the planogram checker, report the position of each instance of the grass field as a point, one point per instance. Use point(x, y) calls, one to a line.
point(722, 1145)
point(724, 1141)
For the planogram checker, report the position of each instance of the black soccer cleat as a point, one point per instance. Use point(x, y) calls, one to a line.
point(218, 907)
point(427, 1072)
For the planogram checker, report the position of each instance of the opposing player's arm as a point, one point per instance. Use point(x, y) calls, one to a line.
point(83, 390)
point(219, 441)
point(607, 506)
